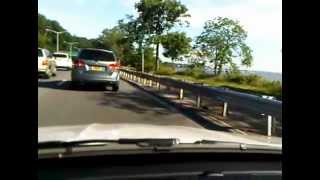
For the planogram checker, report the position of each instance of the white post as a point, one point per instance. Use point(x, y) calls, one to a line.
point(142, 59)
point(269, 125)
point(225, 109)
point(57, 42)
point(158, 86)
point(181, 94)
point(198, 101)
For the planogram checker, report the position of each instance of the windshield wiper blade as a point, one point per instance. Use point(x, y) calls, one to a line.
point(214, 142)
point(101, 142)
point(241, 146)
point(150, 142)
point(57, 144)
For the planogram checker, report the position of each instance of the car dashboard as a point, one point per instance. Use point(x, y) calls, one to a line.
point(215, 166)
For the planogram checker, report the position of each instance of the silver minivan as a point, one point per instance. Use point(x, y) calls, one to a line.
point(96, 66)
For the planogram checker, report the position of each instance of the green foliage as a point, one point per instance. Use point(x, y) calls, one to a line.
point(244, 83)
point(166, 69)
point(271, 87)
point(48, 40)
point(159, 16)
point(195, 71)
point(175, 44)
point(134, 60)
point(223, 40)
point(114, 39)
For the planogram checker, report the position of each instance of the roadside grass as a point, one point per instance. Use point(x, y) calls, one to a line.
point(252, 84)
point(262, 87)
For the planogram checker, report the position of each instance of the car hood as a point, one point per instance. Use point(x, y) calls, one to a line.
point(139, 131)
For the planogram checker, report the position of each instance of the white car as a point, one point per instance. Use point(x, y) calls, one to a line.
point(63, 60)
point(46, 64)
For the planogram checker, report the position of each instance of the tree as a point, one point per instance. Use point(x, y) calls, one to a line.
point(48, 40)
point(159, 16)
point(175, 44)
point(223, 40)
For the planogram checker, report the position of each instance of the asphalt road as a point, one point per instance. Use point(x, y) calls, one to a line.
point(59, 104)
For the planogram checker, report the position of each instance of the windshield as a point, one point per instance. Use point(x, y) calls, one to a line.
point(40, 53)
point(161, 69)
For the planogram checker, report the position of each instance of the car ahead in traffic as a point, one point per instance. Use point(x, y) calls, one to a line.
point(96, 66)
point(46, 63)
point(63, 60)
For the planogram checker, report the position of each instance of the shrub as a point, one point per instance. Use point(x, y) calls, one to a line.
point(235, 78)
point(166, 69)
point(196, 72)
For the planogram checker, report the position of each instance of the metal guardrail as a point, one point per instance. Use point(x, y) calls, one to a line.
point(257, 104)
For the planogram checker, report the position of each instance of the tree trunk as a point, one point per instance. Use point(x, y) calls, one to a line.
point(157, 57)
point(220, 68)
point(215, 68)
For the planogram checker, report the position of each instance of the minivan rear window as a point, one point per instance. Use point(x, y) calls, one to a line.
point(40, 53)
point(96, 55)
point(60, 55)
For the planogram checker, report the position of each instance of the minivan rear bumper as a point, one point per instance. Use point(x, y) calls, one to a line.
point(82, 76)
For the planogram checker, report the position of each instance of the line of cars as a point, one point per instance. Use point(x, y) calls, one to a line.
point(49, 62)
point(91, 66)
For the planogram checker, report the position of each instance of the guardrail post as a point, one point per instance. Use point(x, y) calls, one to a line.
point(150, 82)
point(144, 81)
point(198, 101)
point(158, 86)
point(269, 126)
point(225, 109)
point(181, 94)
point(273, 129)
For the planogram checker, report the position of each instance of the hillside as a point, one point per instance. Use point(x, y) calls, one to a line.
point(48, 39)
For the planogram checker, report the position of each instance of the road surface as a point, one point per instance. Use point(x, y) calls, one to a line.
point(59, 104)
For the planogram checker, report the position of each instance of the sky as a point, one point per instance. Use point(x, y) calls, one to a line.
point(262, 19)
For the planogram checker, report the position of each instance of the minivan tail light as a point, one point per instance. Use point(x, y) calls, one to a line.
point(114, 67)
point(79, 63)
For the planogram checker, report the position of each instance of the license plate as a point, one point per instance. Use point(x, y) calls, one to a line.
point(95, 68)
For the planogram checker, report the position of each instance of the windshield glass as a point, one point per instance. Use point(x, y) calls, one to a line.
point(40, 53)
point(182, 69)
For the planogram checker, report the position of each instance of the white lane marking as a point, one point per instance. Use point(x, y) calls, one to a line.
point(61, 82)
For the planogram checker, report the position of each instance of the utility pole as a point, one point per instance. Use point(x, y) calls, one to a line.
point(70, 46)
point(57, 33)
